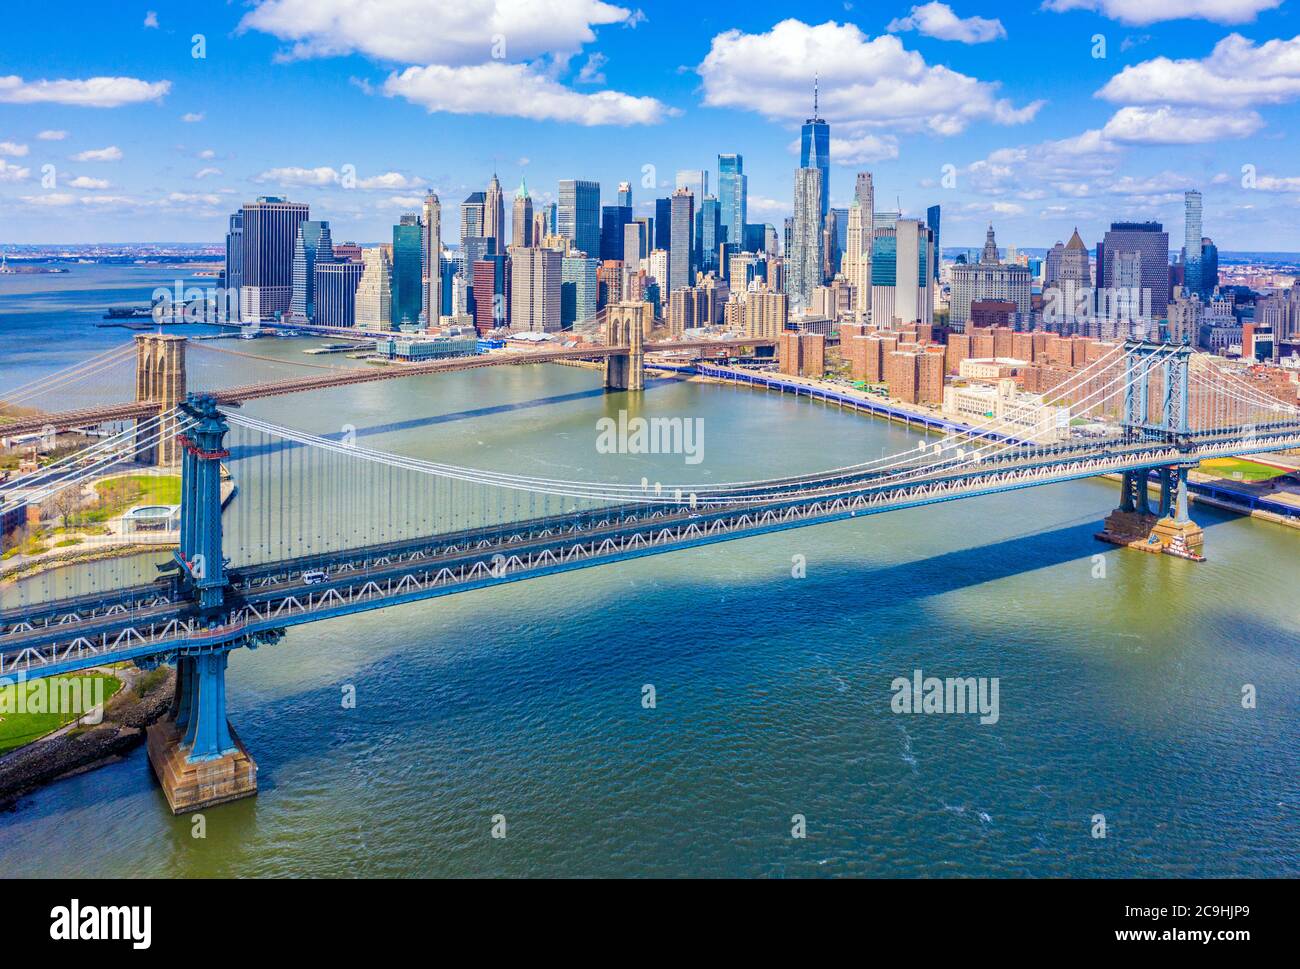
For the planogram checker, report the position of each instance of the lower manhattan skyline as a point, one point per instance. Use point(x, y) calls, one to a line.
point(946, 105)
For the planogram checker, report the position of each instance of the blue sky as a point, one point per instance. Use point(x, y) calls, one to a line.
point(1000, 111)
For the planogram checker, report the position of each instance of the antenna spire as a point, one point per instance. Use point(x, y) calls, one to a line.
point(816, 85)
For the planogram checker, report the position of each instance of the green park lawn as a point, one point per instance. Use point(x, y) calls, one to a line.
point(1228, 468)
point(118, 494)
point(17, 729)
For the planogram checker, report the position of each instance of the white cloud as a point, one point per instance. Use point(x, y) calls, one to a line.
point(207, 154)
point(499, 57)
point(85, 181)
point(52, 135)
point(411, 32)
point(591, 72)
point(206, 172)
point(109, 154)
point(864, 81)
point(151, 19)
point(190, 117)
point(1165, 125)
point(518, 90)
point(407, 202)
point(13, 173)
point(1237, 73)
point(93, 92)
point(939, 21)
point(1143, 12)
point(12, 149)
point(390, 181)
point(107, 201)
point(50, 199)
point(299, 177)
point(863, 149)
point(1272, 183)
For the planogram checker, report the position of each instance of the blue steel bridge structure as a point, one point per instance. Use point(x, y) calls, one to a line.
point(280, 527)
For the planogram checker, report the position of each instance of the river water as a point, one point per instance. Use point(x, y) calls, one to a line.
point(1120, 681)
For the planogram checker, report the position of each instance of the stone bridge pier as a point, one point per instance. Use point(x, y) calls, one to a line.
point(625, 325)
point(159, 379)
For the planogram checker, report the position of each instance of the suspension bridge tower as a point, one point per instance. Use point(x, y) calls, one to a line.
point(196, 754)
point(160, 379)
point(625, 325)
point(1156, 409)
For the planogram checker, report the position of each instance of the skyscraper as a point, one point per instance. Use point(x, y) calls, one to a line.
point(612, 220)
point(472, 217)
point(857, 259)
point(625, 194)
point(578, 216)
point(815, 152)
point(233, 278)
point(521, 217)
point(733, 197)
point(1148, 243)
point(708, 232)
point(578, 290)
point(374, 296)
point(804, 252)
point(270, 233)
point(408, 244)
point(663, 224)
point(932, 220)
point(681, 262)
point(494, 213)
point(431, 259)
point(313, 245)
point(1192, 242)
point(902, 275)
point(988, 279)
point(535, 278)
point(336, 293)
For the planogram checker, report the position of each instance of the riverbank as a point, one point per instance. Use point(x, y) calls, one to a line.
point(144, 698)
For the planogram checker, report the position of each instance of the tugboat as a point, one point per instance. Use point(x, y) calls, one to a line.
point(1178, 546)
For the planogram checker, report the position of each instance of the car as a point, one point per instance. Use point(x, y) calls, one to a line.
point(314, 577)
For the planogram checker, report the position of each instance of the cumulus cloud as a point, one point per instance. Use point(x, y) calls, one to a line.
point(1166, 125)
point(207, 172)
point(13, 173)
point(52, 135)
point(1274, 183)
point(12, 149)
point(151, 19)
point(864, 81)
point(190, 117)
point(499, 57)
point(455, 34)
point(56, 199)
point(93, 92)
point(390, 181)
point(518, 90)
point(1237, 73)
point(85, 181)
point(938, 20)
point(110, 154)
point(863, 149)
point(591, 72)
point(292, 177)
point(1143, 12)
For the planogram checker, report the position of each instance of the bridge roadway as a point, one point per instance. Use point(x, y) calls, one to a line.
point(63, 420)
point(274, 597)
